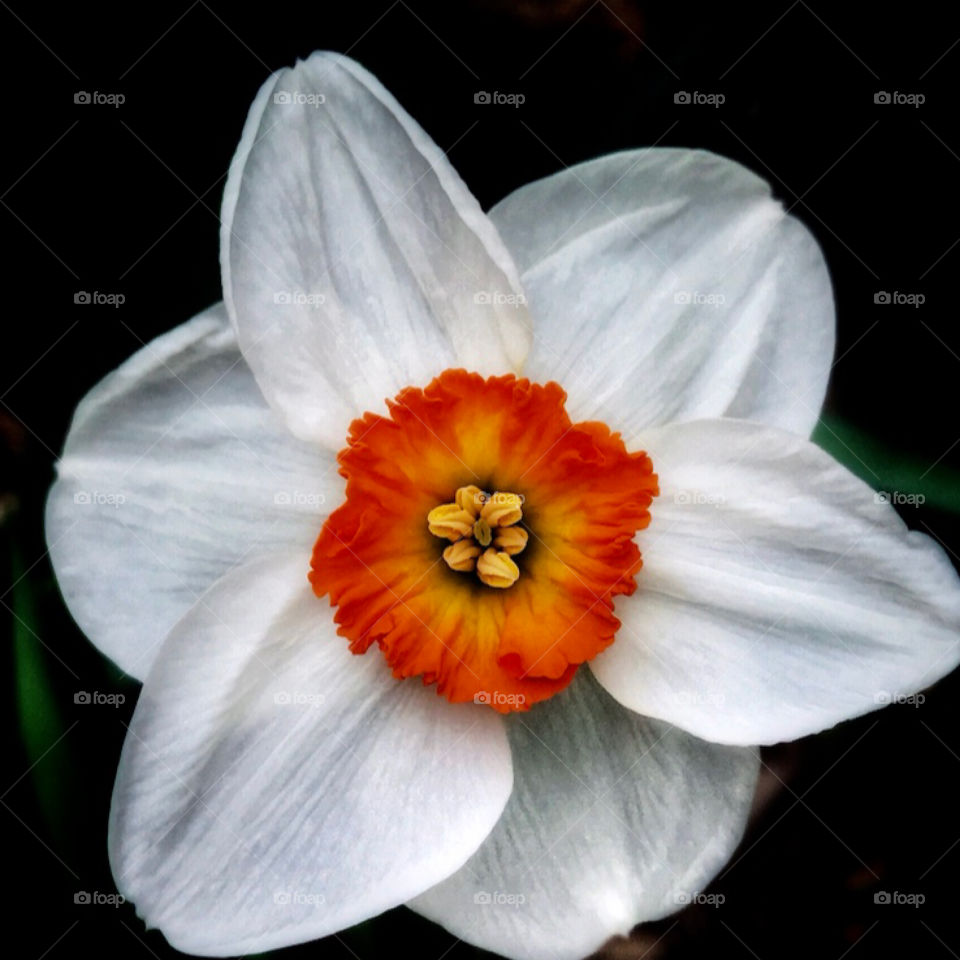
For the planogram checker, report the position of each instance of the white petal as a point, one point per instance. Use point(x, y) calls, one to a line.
point(615, 819)
point(355, 260)
point(779, 594)
point(175, 470)
point(668, 285)
point(275, 788)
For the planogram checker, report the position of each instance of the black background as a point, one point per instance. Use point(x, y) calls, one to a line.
point(126, 200)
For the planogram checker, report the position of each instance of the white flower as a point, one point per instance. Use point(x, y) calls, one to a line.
point(274, 788)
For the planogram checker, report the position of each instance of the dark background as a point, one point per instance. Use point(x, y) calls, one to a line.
point(125, 200)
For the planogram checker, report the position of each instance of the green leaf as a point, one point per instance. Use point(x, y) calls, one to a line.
point(38, 709)
point(886, 469)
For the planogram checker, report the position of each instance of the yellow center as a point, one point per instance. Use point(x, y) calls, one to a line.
point(483, 533)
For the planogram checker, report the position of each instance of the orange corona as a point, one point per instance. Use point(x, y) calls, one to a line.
point(483, 538)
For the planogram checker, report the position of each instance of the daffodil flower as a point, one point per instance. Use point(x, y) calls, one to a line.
point(409, 651)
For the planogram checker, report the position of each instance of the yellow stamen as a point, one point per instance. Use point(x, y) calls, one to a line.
point(497, 569)
point(471, 499)
point(462, 556)
point(449, 521)
point(473, 522)
point(502, 509)
point(511, 540)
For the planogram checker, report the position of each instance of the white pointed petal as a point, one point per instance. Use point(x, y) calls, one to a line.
point(614, 819)
point(275, 788)
point(667, 285)
point(779, 594)
point(175, 470)
point(355, 260)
